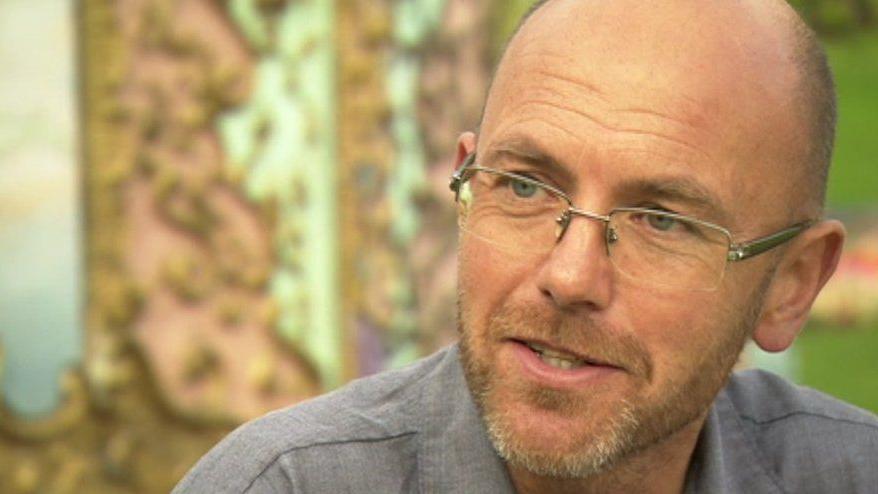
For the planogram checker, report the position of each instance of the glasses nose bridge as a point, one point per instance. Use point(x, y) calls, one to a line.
point(567, 216)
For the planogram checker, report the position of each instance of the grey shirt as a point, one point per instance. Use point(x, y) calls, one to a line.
point(417, 430)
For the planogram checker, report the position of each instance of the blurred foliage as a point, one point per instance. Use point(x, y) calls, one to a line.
point(854, 177)
point(505, 17)
point(842, 362)
point(835, 17)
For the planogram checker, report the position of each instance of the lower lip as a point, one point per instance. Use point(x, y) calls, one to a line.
point(548, 375)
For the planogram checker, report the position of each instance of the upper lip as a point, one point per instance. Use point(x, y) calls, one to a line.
point(579, 355)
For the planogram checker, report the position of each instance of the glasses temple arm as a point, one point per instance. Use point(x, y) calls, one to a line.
point(746, 250)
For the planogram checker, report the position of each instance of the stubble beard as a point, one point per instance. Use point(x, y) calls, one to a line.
point(633, 422)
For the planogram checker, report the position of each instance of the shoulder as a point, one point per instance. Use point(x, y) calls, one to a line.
point(768, 400)
point(368, 415)
point(811, 441)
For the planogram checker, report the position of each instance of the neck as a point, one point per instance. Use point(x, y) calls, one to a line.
point(658, 469)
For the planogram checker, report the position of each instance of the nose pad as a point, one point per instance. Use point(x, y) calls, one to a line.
point(612, 237)
point(562, 222)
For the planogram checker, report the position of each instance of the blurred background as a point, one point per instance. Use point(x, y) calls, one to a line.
point(213, 208)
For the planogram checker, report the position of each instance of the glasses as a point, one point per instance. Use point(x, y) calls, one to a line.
point(524, 216)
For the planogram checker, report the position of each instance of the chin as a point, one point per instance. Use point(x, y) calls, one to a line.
point(548, 444)
point(550, 432)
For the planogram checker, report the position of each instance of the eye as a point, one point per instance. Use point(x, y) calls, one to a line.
point(661, 222)
point(522, 189)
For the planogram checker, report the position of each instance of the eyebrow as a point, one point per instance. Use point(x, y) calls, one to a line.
point(679, 189)
point(526, 149)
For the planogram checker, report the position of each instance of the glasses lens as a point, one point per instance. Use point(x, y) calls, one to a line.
point(667, 249)
point(513, 212)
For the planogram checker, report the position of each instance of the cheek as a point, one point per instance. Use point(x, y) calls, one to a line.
point(486, 279)
point(678, 329)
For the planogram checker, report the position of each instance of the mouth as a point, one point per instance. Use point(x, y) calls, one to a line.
point(559, 368)
point(561, 359)
point(556, 359)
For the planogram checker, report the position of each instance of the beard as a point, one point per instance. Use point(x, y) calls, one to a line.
point(609, 423)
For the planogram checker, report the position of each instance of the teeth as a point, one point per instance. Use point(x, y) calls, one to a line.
point(556, 359)
point(560, 363)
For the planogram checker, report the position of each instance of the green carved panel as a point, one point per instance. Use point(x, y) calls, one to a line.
point(281, 144)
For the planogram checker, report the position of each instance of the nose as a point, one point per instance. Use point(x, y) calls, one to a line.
point(577, 274)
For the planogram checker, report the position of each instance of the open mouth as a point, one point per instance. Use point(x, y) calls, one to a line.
point(558, 367)
point(557, 359)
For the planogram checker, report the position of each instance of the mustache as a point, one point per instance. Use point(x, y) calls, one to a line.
point(581, 335)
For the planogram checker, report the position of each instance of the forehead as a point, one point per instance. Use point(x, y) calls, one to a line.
point(696, 46)
point(674, 91)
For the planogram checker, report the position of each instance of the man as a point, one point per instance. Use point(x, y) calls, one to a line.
point(643, 197)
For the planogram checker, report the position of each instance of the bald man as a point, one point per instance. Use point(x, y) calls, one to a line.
point(643, 197)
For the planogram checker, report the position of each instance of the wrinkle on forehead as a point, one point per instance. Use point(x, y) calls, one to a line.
point(576, 108)
point(581, 132)
point(578, 99)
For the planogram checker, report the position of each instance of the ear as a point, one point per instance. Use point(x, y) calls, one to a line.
point(466, 145)
point(805, 267)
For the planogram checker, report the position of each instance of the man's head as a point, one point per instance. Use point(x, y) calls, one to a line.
point(622, 103)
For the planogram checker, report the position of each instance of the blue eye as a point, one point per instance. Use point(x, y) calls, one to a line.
point(661, 222)
point(524, 189)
